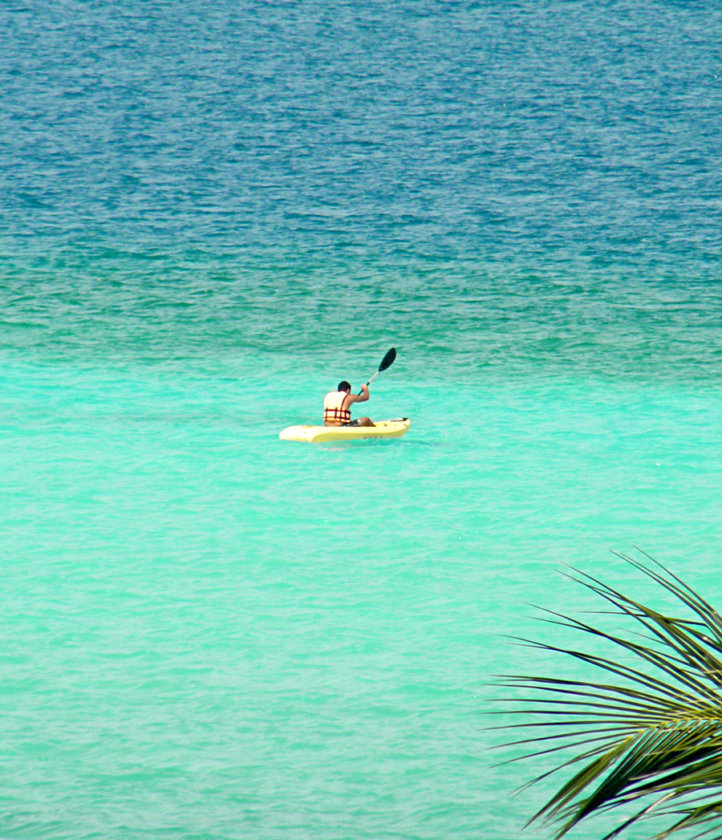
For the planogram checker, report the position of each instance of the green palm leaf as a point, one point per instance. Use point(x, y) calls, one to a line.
point(651, 732)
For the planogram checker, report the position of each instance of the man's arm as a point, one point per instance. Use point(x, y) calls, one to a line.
point(354, 398)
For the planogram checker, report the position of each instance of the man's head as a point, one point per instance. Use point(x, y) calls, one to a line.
point(344, 386)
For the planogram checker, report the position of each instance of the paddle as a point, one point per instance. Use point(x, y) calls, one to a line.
point(386, 362)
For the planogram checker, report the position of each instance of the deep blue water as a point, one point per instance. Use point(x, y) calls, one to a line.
point(535, 135)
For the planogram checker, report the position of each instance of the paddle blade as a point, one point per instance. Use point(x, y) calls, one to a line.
point(388, 359)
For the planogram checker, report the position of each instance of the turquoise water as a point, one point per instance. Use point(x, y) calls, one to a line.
point(214, 212)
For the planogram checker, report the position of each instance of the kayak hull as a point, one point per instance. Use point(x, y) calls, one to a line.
point(323, 434)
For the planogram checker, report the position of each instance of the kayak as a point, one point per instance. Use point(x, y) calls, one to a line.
point(322, 434)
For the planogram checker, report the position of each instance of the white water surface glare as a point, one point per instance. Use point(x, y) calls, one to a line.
point(212, 212)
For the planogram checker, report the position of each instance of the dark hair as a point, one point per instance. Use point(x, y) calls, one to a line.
point(344, 386)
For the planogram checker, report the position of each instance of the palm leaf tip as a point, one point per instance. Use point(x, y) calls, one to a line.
point(652, 732)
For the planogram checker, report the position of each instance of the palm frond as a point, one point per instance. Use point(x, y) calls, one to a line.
point(651, 732)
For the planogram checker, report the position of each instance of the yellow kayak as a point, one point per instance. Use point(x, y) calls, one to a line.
point(322, 434)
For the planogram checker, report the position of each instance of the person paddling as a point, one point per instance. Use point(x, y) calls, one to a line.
point(337, 406)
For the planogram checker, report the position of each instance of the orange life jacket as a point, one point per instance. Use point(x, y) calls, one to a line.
point(333, 410)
